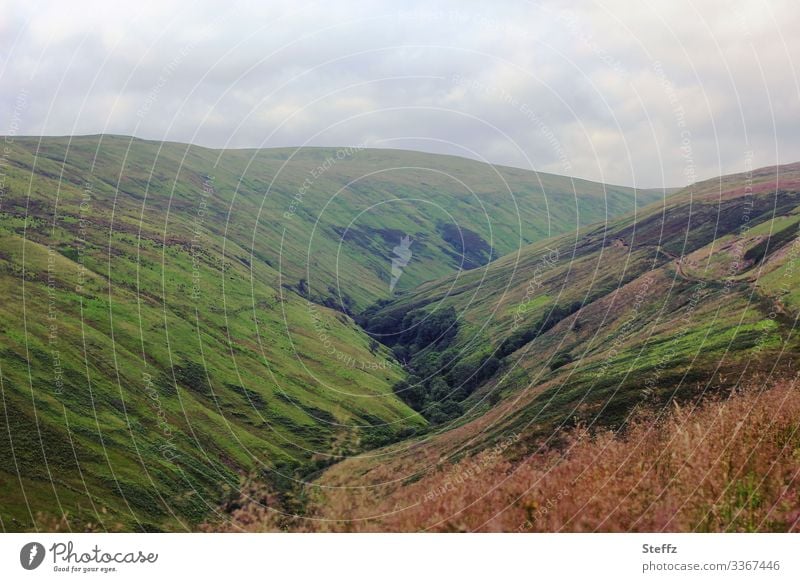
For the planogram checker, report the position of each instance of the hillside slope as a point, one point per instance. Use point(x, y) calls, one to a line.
point(158, 338)
point(146, 362)
point(690, 296)
point(329, 219)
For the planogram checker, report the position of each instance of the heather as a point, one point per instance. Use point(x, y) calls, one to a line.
point(728, 464)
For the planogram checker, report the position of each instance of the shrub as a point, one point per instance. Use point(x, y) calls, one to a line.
point(560, 359)
point(193, 376)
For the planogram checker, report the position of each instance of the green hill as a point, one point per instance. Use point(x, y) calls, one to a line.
point(175, 316)
point(691, 295)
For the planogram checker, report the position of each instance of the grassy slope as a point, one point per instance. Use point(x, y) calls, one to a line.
point(153, 342)
point(335, 220)
point(687, 297)
point(143, 366)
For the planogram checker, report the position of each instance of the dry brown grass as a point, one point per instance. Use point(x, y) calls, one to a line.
point(729, 464)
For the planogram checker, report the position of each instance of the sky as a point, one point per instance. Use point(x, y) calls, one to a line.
point(644, 93)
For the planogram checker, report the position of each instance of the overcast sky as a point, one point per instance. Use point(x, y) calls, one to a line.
point(643, 92)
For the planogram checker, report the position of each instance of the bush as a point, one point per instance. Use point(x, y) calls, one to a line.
point(470, 373)
point(439, 390)
point(412, 391)
point(193, 376)
point(521, 337)
point(560, 359)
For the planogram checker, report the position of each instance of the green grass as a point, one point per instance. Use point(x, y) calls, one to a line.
point(158, 342)
point(637, 331)
point(157, 339)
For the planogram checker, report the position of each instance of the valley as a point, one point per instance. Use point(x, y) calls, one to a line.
point(177, 317)
point(598, 381)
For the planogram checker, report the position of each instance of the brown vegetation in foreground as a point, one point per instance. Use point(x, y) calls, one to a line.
point(729, 464)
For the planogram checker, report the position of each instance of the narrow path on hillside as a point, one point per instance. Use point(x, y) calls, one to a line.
point(679, 260)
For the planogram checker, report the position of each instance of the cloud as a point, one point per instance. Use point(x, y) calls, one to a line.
point(606, 90)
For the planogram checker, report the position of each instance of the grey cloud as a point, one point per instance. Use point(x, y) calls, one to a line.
point(604, 91)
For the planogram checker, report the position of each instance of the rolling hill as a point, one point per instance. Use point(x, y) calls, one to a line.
point(174, 316)
point(692, 298)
